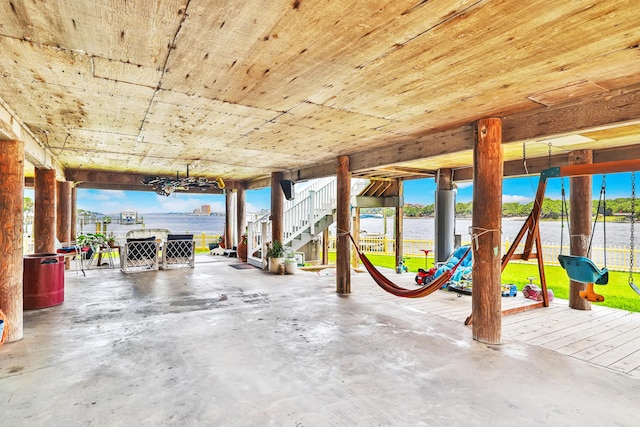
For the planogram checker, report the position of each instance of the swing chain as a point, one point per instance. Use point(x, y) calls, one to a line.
point(563, 207)
point(633, 219)
point(604, 218)
point(602, 201)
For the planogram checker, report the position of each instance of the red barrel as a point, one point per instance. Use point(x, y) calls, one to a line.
point(43, 280)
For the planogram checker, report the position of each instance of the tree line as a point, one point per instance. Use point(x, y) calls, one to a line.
point(551, 209)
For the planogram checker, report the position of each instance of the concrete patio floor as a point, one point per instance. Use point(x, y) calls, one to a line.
point(218, 346)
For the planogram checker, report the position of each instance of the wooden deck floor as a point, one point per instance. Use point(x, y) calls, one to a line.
point(603, 336)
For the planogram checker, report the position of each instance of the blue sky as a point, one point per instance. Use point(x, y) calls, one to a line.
point(522, 190)
point(416, 192)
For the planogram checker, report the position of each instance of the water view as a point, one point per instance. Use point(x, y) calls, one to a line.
point(176, 223)
point(617, 234)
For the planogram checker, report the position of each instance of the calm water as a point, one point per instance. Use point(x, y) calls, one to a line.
point(176, 223)
point(618, 234)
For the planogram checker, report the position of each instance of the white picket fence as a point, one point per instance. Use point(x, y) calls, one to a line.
point(618, 257)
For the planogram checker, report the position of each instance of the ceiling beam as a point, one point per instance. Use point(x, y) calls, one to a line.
point(258, 183)
point(445, 142)
point(105, 180)
point(515, 168)
point(142, 187)
point(594, 112)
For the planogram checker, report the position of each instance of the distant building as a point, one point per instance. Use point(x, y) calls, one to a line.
point(196, 211)
point(205, 210)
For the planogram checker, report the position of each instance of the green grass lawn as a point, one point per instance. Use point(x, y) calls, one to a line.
point(617, 294)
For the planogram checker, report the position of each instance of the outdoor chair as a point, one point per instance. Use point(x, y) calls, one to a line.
point(157, 233)
point(178, 251)
point(139, 254)
point(73, 251)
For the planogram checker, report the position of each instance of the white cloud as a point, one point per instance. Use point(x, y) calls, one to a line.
point(107, 208)
point(509, 198)
point(109, 195)
point(466, 184)
point(182, 202)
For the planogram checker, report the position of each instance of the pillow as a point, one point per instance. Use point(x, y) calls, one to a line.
point(180, 237)
point(66, 250)
point(141, 239)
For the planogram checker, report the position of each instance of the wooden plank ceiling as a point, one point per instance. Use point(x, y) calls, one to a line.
point(241, 89)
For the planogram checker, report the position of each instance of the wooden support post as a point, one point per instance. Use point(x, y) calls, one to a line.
point(580, 222)
point(74, 212)
point(11, 219)
point(44, 221)
point(399, 237)
point(355, 259)
point(486, 224)
point(343, 243)
point(63, 216)
point(325, 246)
point(63, 211)
point(444, 179)
point(241, 207)
point(228, 214)
point(277, 207)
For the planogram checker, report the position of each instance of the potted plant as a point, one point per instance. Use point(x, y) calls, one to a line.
point(111, 240)
point(275, 254)
point(290, 264)
point(92, 240)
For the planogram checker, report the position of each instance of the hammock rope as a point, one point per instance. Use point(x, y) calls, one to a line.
point(396, 290)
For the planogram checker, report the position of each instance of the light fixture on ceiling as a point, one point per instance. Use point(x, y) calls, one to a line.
point(166, 186)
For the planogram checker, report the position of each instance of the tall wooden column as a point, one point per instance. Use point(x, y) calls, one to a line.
point(74, 211)
point(277, 207)
point(241, 207)
point(579, 222)
point(228, 214)
point(445, 179)
point(399, 237)
point(325, 246)
point(44, 221)
point(63, 211)
point(486, 224)
point(11, 219)
point(343, 243)
point(355, 260)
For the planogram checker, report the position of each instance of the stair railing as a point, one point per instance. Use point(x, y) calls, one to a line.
point(301, 215)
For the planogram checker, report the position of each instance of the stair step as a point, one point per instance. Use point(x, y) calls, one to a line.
point(300, 233)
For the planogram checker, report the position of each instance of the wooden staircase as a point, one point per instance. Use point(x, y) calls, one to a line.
point(305, 217)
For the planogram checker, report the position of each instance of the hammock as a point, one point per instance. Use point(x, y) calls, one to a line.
point(396, 290)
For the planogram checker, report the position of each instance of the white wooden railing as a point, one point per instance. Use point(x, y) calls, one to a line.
point(618, 257)
point(300, 215)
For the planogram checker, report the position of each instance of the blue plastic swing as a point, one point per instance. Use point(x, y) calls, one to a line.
point(582, 269)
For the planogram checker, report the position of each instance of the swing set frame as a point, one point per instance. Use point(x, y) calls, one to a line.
point(531, 226)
